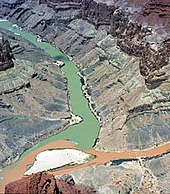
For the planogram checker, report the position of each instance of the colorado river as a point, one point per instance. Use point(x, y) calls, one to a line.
point(82, 134)
point(12, 173)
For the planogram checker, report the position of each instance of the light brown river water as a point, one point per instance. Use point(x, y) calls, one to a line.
point(16, 172)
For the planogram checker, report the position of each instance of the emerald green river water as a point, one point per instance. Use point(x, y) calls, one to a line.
point(84, 133)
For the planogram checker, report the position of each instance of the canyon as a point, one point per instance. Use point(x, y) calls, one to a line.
point(24, 124)
point(122, 50)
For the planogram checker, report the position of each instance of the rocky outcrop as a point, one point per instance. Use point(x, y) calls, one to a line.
point(33, 99)
point(139, 176)
point(153, 64)
point(45, 183)
point(6, 55)
point(133, 34)
point(97, 12)
point(67, 188)
point(8, 5)
point(122, 49)
point(36, 183)
point(134, 27)
point(125, 63)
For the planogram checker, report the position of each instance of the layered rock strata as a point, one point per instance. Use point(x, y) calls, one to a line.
point(115, 52)
point(133, 176)
point(122, 49)
point(33, 100)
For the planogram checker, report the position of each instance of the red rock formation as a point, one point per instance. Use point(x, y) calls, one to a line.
point(43, 183)
point(33, 184)
point(154, 13)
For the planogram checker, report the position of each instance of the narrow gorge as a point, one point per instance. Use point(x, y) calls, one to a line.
point(122, 51)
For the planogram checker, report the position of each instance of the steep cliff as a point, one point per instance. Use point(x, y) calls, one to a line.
point(33, 97)
point(122, 49)
point(46, 184)
point(6, 55)
point(135, 27)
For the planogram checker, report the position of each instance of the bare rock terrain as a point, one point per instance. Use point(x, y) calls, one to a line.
point(46, 184)
point(124, 62)
point(122, 49)
point(33, 99)
point(136, 176)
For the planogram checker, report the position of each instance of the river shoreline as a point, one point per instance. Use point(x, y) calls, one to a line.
point(16, 171)
point(12, 173)
point(76, 131)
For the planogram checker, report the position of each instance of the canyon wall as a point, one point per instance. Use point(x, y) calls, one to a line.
point(122, 49)
point(6, 55)
point(123, 59)
point(33, 97)
point(132, 26)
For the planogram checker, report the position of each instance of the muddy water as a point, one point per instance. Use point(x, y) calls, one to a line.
point(83, 134)
point(16, 171)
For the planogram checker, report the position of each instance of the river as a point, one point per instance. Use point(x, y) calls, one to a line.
point(83, 134)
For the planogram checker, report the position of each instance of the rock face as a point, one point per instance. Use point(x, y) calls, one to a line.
point(36, 183)
point(6, 55)
point(139, 176)
point(125, 62)
point(33, 99)
point(8, 5)
point(46, 184)
point(122, 49)
point(133, 33)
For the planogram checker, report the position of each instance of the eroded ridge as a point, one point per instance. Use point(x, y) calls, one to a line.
point(6, 56)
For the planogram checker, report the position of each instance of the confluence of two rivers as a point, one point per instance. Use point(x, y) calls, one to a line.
point(83, 134)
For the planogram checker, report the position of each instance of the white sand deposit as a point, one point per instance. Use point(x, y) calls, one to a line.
point(52, 159)
point(59, 63)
